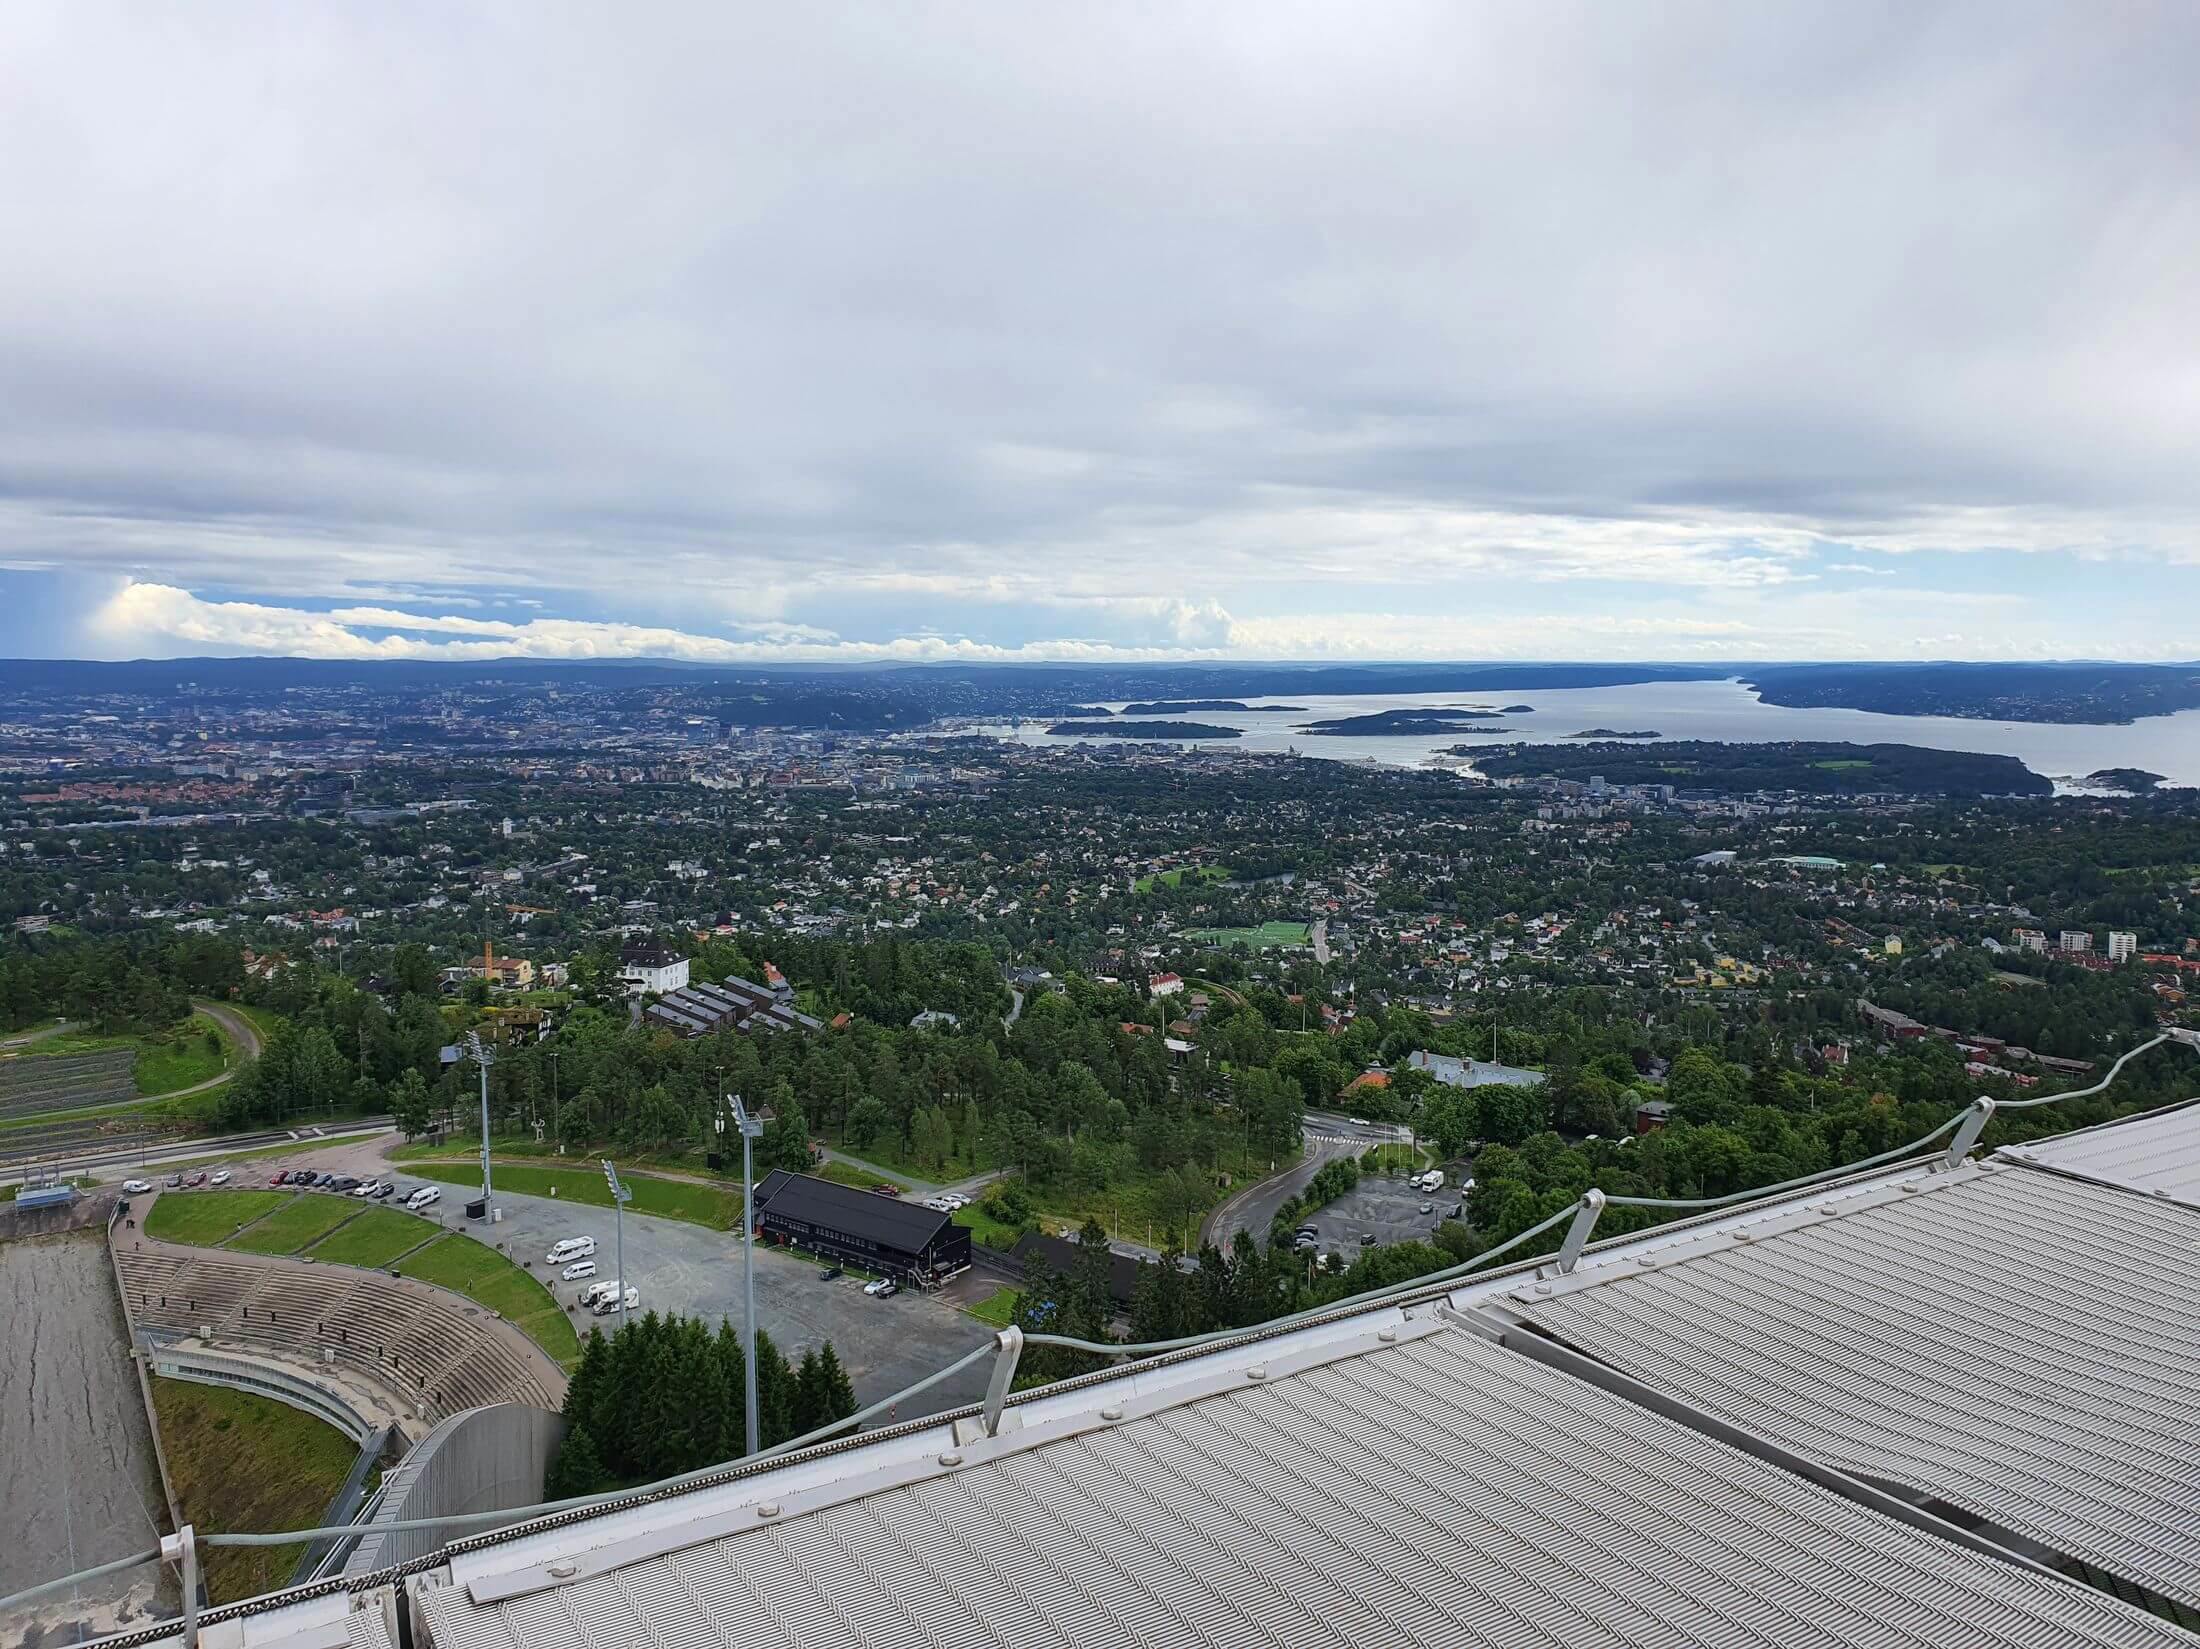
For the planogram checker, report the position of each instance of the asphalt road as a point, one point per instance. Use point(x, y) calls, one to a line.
point(1253, 1209)
point(77, 1481)
point(690, 1269)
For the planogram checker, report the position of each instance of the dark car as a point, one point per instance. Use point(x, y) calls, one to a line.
point(383, 1190)
point(836, 1271)
point(198, 1178)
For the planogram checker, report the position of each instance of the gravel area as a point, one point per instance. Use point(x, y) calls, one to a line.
point(78, 1483)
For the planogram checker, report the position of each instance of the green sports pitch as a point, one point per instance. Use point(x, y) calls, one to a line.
point(1265, 937)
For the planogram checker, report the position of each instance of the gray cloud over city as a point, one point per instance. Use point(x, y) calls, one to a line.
point(1442, 330)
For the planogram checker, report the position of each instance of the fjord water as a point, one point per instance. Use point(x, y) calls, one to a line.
point(1718, 710)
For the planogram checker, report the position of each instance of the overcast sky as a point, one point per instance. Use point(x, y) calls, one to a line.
point(1022, 330)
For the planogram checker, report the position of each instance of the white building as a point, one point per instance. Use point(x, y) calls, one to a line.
point(2073, 939)
point(650, 965)
point(2122, 946)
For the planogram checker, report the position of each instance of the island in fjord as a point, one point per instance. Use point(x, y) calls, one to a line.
point(1146, 729)
point(1390, 723)
point(1609, 733)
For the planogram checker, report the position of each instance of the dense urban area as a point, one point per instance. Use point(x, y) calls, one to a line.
point(1130, 1041)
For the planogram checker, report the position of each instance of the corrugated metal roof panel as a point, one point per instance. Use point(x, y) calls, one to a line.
point(1437, 1492)
point(2017, 1343)
point(2158, 1153)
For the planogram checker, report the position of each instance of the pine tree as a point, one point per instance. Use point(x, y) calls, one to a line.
point(577, 1469)
point(840, 1392)
point(774, 1394)
point(809, 1395)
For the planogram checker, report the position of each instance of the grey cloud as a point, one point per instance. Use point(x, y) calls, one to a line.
point(330, 299)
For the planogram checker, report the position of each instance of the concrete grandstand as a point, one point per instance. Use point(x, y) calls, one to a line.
point(1940, 1402)
point(431, 1353)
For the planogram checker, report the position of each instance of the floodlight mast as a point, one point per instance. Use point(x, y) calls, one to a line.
point(484, 1056)
point(618, 1219)
point(750, 1130)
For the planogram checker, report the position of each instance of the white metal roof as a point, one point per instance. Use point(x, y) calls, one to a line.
point(1404, 1483)
point(2158, 1153)
point(2015, 1342)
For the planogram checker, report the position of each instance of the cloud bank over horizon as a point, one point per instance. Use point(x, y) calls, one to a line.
point(982, 333)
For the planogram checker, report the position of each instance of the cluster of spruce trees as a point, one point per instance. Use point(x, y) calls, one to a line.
point(665, 1395)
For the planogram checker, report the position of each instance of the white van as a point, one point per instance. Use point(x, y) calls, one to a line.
point(426, 1196)
point(577, 1270)
point(1433, 1180)
point(572, 1248)
point(607, 1302)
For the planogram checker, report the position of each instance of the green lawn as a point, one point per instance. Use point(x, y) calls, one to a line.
point(1265, 937)
point(668, 1199)
point(986, 1231)
point(997, 1308)
point(74, 1042)
point(207, 1217)
point(893, 1155)
point(264, 1020)
point(294, 1225)
point(1403, 1159)
point(1175, 878)
point(375, 1238)
point(181, 1057)
point(861, 1178)
point(479, 1272)
point(247, 1465)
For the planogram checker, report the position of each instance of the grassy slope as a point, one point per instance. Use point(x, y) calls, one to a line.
point(997, 1308)
point(294, 1225)
point(247, 1464)
point(467, 1267)
point(207, 1217)
point(455, 1262)
point(182, 1057)
point(668, 1199)
point(375, 1238)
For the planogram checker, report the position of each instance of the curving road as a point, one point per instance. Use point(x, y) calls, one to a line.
point(241, 1031)
point(1253, 1209)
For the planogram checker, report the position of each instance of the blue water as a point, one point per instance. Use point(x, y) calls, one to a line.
point(1720, 710)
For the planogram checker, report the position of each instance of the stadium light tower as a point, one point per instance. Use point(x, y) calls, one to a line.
point(619, 1195)
point(484, 1056)
point(751, 1129)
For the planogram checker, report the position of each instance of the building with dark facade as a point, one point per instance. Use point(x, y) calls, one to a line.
point(902, 1239)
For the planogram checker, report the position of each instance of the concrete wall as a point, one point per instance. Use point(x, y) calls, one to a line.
point(487, 1459)
point(213, 1368)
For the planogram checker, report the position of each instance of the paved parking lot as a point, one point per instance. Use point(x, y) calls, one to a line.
point(696, 1272)
point(1391, 1208)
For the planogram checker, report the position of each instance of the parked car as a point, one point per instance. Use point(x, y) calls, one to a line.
point(134, 1186)
point(608, 1301)
point(221, 1176)
point(366, 1190)
point(939, 1205)
point(887, 1190)
point(886, 1288)
point(955, 1200)
point(427, 1196)
point(174, 1180)
point(1309, 1231)
point(384, 1190)
point(1367, 1239)
point(197, 1179)
point(577, 1270)
point(833, 1271)
point(279, 1176)
point(570, 1248)
point(1428, 1208)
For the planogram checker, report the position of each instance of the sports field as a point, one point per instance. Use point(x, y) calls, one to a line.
point(1267, 936)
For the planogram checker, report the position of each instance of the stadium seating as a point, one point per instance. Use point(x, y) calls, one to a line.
point(421, 1339)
